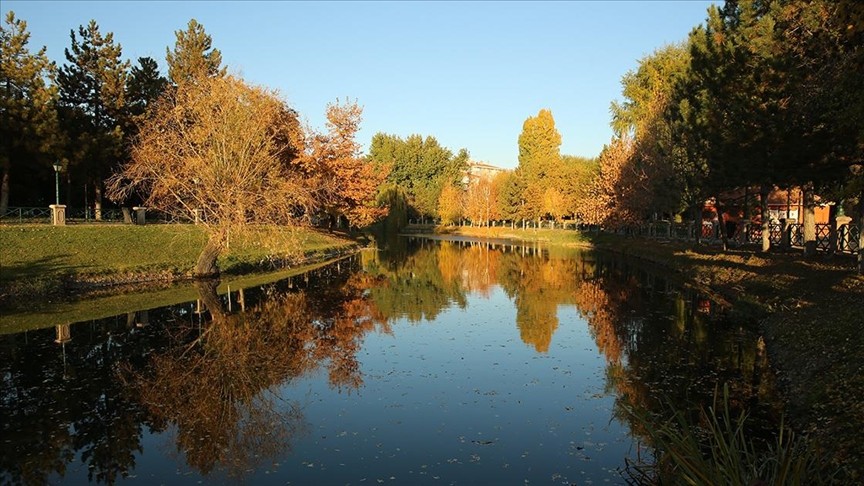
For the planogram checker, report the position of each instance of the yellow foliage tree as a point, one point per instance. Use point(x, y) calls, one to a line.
point(225, 148)
point(450, 204)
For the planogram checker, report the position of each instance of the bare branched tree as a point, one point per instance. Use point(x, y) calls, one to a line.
point(227, 149)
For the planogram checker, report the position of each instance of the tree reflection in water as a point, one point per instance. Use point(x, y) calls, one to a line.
point(218, 387)
point(656, 336)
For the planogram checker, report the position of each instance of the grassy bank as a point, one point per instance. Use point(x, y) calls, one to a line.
point(29, 314)
point(39, 259)
point(811, 313)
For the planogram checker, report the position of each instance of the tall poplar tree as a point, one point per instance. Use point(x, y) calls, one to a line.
point(28, 119)
point(539, 157)
point(193, 55)
point(92, 108)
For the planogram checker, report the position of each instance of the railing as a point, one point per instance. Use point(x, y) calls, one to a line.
point(87, 215)
point(29, 215)
point(846, 236)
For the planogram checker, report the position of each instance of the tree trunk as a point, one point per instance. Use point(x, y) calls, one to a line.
point(207, 292)
point(97, 200)
point(764, 190)
point(721, 227)
point(697, 224)
point(4, 190)
point(809, 221)
point(832, 228)
point(861, 233)
point(206, 266)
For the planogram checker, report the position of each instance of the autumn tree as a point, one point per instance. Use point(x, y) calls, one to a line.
point(644, 117)
point(92, 107)
point(577, 175)
point(481, 199)
point(28, 119)
point(193, 55)
point(347, 182)
point(609, 195)
point(539, 156)
point(223, 147)
point(450, 204)
point(511, 196)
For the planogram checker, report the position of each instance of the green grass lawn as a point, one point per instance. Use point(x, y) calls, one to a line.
point(36, 258)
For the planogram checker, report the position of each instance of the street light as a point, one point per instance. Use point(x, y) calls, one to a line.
point(57, 168)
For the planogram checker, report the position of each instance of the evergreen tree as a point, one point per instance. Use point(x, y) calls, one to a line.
point(92, 108)
point(511, 202)
point(144, 86)
point(28, 119)
point(193, 55)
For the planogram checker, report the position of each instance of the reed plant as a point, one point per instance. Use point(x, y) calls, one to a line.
point(718, 450)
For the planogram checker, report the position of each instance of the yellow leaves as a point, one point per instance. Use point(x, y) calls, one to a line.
point(216, 143)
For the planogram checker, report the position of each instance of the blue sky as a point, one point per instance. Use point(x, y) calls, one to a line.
point(467, 73)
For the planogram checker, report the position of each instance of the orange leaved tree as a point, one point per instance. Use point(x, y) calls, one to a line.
point(225, 150)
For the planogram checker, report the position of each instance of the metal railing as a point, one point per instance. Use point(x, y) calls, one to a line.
point(843, 239)
point(26, 215)
point(37, 215)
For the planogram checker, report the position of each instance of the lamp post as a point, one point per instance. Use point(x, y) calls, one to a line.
point(57, 168)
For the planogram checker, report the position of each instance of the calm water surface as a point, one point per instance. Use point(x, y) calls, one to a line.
point(426, 363)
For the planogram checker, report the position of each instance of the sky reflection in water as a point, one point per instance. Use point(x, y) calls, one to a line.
point(464, 399)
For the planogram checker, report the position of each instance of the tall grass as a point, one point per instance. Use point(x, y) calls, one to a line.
point(718, 451)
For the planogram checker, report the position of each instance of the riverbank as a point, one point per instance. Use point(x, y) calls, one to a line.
point(40, 260)
point(810, 311)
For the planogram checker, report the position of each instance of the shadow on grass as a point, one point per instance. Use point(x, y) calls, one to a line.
point(34, 269)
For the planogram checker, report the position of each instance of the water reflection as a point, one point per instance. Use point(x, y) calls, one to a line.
point(215, 376)
point(206, 373)
point(661, 342)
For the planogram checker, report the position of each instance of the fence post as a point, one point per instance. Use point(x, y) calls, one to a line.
point(139, 214)
point(58, 214)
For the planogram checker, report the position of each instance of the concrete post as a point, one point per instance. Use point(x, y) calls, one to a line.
point(64, 335)
point(139, 214)
point(198, 215)
point(58, 214)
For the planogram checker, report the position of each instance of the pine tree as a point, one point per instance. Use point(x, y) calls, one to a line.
point(193, 55)
point(28, 119)
point(92, 107)
point(144, 86)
